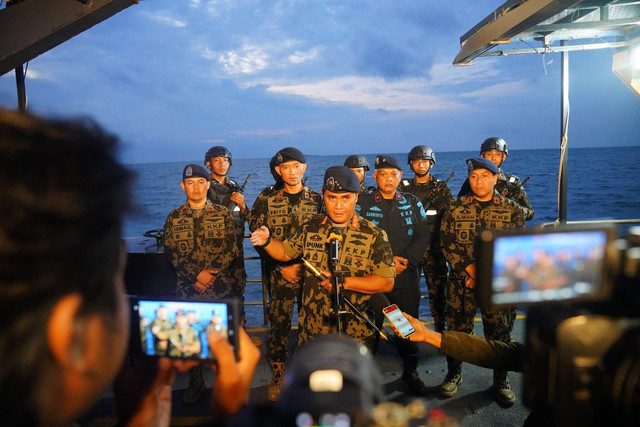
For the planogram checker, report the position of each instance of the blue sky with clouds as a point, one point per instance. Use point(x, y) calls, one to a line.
point(172, 78)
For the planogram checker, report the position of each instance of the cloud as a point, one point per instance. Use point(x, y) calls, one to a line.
point(500, 90)
point(443, 72)
point(166, 19)
point(215, 141)
point(371, 93)
point(265, 132)
point(248, 60)
point(301, 57)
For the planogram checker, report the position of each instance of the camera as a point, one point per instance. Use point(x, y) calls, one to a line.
point(580, 287)
point(178, 328)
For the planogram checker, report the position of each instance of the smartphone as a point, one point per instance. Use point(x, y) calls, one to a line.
point(178, 329)
point(395, 316)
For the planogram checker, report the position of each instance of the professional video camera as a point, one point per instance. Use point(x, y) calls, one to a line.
point(581, 289)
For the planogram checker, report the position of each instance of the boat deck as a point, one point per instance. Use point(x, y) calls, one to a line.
point(473, 405)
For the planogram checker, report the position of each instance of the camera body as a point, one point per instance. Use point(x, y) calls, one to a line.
point(581, 289)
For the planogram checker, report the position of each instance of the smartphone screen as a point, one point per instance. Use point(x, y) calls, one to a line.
point(178, 329)
point(395, 316)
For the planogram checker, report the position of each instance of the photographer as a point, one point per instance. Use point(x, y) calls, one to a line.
point(64, 310)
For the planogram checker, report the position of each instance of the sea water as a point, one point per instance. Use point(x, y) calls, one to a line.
point(602, 184)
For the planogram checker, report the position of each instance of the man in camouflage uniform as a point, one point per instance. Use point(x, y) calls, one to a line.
point(435, 197)
point(282, 212)
point(364, 256)
point(467, 216)
point(509, 186)
point(226, 192)
point(359, 165)
point(160, 327)
point(403, 218)
point(200, 242)
point(183, 339)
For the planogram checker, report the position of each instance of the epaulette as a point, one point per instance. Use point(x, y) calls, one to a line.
point(325, 220)
point(355, 222)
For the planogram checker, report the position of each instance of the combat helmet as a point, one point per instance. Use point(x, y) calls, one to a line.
point(357, 161)
point(217, 151)
point(494, 144)
point(421, 152)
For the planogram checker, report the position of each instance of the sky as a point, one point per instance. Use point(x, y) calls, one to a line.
point(173, 78)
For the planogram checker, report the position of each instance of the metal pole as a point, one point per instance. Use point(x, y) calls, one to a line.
point(22, 92)
point(564, 139)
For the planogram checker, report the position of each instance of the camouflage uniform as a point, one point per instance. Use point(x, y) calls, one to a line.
point(365, 189)
point(200, 239)
point(462, 222)
point(434, 265)
point(184, 337)
point(164, 326)
point(364, 251)
point(282, 213)
point(221, 194)
point(508, 186)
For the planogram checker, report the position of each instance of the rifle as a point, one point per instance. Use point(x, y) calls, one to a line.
point(437, 188)
point(239, 190)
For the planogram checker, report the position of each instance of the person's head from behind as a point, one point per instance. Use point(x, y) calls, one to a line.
point(62, 302)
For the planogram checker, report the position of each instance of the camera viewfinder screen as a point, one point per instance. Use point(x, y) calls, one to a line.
point(547, 267)
point(179, 329)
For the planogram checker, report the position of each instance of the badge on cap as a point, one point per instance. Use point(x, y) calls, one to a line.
point(469, 165)
point(330, 184)
point(188, 172)
point(279, 158)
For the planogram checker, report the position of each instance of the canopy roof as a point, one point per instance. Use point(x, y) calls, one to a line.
point(535, 25)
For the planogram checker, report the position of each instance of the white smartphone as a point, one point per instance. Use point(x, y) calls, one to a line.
point(395, 316)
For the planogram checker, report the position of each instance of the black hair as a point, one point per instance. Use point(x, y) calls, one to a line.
point(64, 194)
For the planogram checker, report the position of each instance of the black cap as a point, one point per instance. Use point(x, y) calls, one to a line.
point(194, 171)
point(341, 179)
point(481, 163)
point(385, 162)
point(289, 154)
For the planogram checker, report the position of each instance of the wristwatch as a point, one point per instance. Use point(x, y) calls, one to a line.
point(279, 268)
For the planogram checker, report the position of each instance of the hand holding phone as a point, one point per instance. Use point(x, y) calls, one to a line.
point(397, 319)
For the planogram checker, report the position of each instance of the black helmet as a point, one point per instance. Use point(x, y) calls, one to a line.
point(357, 161)
point(217, 151)
point(421, 152)
point(494, 144)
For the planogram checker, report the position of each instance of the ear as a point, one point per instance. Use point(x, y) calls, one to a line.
point(374, 174)
point(277, 169)
point(400, 177)
point(182, 186)
point(208, 184)
point(61, 329)
point(304, 167)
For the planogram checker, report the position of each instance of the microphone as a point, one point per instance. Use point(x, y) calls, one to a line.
point(334, 239)
point(317, 273)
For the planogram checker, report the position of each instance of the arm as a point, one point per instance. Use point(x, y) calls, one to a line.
point(364, 284)
point(458, 255)
point(233, 379)
point(470, 348)
point(275, 248)
point(184, 269)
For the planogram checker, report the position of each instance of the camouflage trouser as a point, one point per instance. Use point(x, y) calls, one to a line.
point(434, 267)
point(317, 318)
point(496, 323)
point(283, 295)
